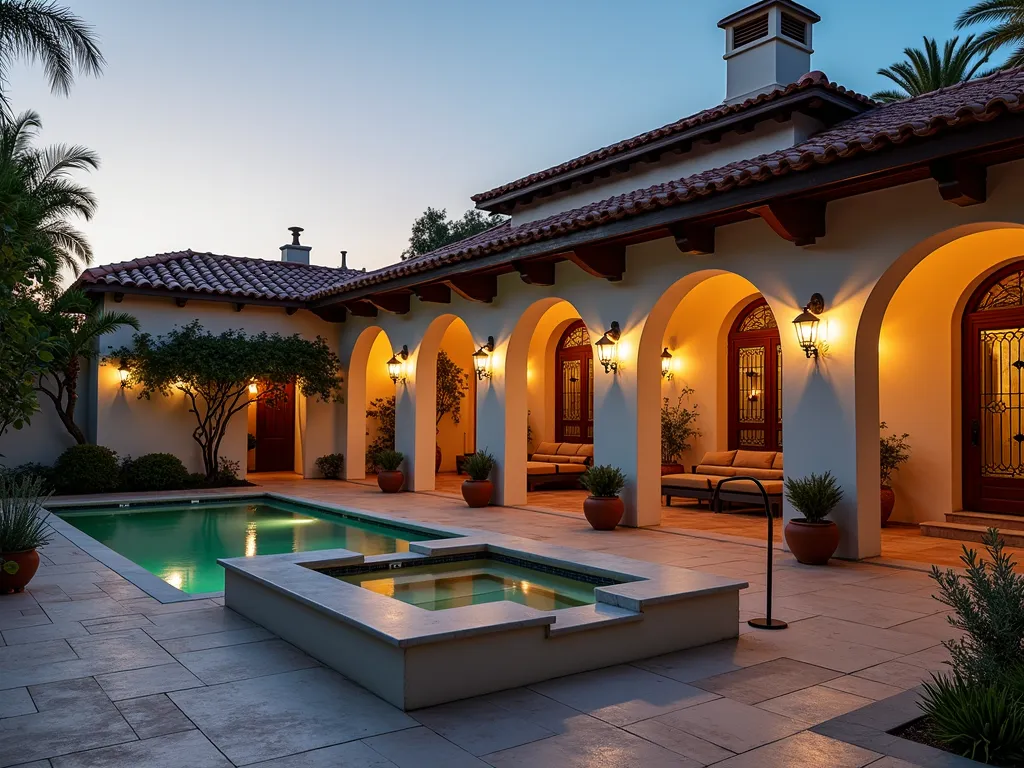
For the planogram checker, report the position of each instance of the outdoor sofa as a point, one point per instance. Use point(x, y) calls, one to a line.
point(700, 484)
point(558, 463)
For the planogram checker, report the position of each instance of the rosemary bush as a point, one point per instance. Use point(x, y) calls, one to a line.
point(479, 465)
point(814, 497)
point(894, 452)
point(389, 461)
point(23, 523)
point(603, 481)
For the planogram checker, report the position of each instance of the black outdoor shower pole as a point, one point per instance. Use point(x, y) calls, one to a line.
point(767, 622)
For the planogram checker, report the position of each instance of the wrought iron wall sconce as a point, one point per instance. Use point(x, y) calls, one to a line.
point(666, 365)
point(396, 367)
point(482, 360)
point(806, 325)
point(254, 388)
point(608, 348)
point(122, 372)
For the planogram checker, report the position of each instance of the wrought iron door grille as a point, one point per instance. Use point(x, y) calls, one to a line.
point(1002, 403)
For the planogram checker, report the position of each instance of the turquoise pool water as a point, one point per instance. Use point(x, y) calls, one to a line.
point(451, 585)
point(180, 543)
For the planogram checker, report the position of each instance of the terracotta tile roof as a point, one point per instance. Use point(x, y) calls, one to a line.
point(889, 125)
point(705, 117)
point(211, 273)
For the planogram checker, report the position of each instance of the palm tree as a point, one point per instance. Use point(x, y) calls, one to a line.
point(1008, 16)
point(74, 327)
point(40, 30)
point(926, 70)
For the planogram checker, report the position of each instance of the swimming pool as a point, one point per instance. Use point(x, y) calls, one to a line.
point(180, 542)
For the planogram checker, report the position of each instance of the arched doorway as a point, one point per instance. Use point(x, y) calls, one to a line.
point(755, 380)
point(993, 394)
point(574, 386)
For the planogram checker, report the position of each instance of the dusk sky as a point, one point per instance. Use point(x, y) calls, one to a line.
point(220, 124)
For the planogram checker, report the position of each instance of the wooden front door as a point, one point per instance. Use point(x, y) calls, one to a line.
point(755, 380)
point(275, 434)
point(993, 395)
point(574, 386)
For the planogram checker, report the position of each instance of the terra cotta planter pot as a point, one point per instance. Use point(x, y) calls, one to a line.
point(888, 502)
point(437, 459)
point(672, 469)
point(812, 543)
point(17, 570)
point(390, 480)
point(603, 513)
point(477, 493)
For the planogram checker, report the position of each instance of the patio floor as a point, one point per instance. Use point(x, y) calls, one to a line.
point(94, 672)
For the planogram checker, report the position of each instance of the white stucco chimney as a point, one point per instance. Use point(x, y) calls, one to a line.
point(767, 46)
point(295, 252)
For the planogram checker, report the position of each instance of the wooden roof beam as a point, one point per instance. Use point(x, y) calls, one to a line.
point(361, 308)
point(331, 314)
point(698, 239)
point(607, 261)
point(481, 288)
point(395, 303)
point(801, 222)
point(436, 293)
point(961, 182)
point(536, 272)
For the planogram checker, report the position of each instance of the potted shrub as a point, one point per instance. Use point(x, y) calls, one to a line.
point(478, 489)
point(23, 529)
point(330, 466)
point(812, 539)
point(603, 507)
point(452, 386)
point(389, 477)
point(895, 450)
point(677, 429)
point(382, 411)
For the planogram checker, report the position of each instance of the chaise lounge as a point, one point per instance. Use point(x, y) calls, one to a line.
point(700, 484)
point(558, 463)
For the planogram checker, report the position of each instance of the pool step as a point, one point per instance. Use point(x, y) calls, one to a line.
point(585, 617)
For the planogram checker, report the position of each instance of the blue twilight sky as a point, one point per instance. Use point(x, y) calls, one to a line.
point(222, 122)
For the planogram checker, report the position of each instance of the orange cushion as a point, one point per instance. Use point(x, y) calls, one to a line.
point(754, 459)
point(719, 458)
point(571, 469)
point(761, 474)
point(713, 469)
point(549, 448)
point(777, 464)
point(576, 459)
point(586, 449)
point(539, 468)
point(567, 449)
point(549, 457)
point(771, 487)
point(698, 482)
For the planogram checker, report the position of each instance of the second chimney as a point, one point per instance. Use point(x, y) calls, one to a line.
point(295, 252)
point(767, 47)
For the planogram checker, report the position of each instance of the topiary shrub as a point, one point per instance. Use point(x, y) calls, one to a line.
point(479, 465)
point(330, 465)
point(603, 481)
point(87, 469)
point(389, 461)
point(156, 472)
point(814, 497)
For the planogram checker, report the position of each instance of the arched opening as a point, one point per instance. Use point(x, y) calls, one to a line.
point(574, 386)
point(755, 380)
point(370, 391)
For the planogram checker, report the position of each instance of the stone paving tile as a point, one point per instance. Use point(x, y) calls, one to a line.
point(860, 686)
point(198, 621)
point(893, 762)
point(765, 681)
point(732, 725)
point(934, 659)
point(16, 620)
point(421, 748)
point(175, 750)
point(887, 639)
point(238, 662)
point(623, 694)
point(121, 590)
point(147, 681)
point(16, 701)
point(76, 610)
point(56, 631)
point(354, 754)
point(815, 704)
point(480, 727)
point(215, 640)
point(533, 707)
point(896, 673)
point(151, 716)
point(116, 624)
point(278, 715)
point(807, 750)
point(696, 751)
point(708, 660)
point(28, 654)
point(936, 627)
point(152, 607)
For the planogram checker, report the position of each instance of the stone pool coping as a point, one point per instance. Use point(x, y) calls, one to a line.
point(159, 589)
point(403, 625)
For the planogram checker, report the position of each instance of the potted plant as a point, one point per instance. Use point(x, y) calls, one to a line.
point(812, 539)
point(389, 477)
point(452, 385)
point(677, 429)
point(330, 465)
point(23, 529)
point(895, 450)
point(478, 489)
point(382, 411)
point(603, 507)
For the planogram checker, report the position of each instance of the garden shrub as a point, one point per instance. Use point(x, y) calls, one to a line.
point(155, 472)
point(815, 496)
point(87, 469)
point(389, 461)
point(479, 465)
point(603, 481)
point(330, 466)
point(227, 472)
point(982, 722)
point(33, 470)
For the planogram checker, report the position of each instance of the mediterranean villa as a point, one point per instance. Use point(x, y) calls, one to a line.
point(809, 262)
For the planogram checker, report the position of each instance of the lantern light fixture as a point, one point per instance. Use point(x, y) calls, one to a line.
point(608, 348)
point(396, 366)
point(666, 365)
point(806, 325)
point(254, 388)
point(122, 372)
point(482, 360)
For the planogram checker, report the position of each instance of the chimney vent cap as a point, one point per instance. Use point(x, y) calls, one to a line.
point(296, 231)
point(750, 10)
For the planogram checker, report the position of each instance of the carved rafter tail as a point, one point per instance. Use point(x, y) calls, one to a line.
point(801, 222)
point(697, 239)
point(606, 261)
point(395, 303)
point(536, 272)
point(437, 293)
point(361, 309)
point(961, 182)
point(481, 288)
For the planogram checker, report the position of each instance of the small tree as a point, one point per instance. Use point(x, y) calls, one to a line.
point(434, 229)
point(383, 410)
point(677, 427)
point(452, 384)
point(214, 373)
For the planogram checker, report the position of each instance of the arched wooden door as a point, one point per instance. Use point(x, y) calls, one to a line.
point(993, 394)
point(275, 433)
point(574, 386)
point(755, 380)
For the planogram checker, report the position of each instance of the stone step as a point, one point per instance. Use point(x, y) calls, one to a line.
point(988, 520)
point(974, 533)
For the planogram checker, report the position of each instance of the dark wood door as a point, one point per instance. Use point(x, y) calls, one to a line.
point(574, 386)
point(275, 434)
point(993, 395)
point(755, 380)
